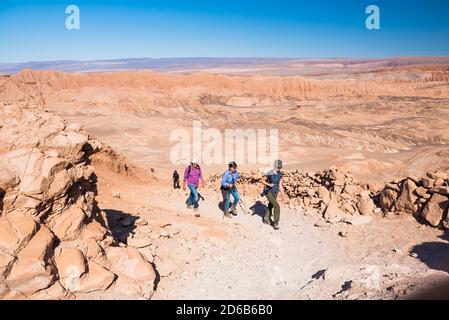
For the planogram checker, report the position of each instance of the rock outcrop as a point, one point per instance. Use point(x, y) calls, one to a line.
point(54, 240)
point(426, 197)
point(334, 194)
point(337, 196)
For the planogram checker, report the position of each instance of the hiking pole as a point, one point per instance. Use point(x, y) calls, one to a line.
point(243, 209)
point(218, 199)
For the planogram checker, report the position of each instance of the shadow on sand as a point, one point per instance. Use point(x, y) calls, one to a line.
point(258, 209)
point(121, 224)
point(434, 254)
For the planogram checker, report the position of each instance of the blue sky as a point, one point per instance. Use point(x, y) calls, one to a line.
point(33, 30)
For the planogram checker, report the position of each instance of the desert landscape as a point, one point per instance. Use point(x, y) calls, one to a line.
point(88, 210)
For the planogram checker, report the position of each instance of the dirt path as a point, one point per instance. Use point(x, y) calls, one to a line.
point(243, 259)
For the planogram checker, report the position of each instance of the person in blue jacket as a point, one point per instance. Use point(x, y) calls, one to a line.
point(228, 188)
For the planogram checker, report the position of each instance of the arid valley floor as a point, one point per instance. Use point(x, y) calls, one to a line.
point(126, 234)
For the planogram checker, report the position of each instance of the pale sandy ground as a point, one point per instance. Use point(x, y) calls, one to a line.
point(241, 258)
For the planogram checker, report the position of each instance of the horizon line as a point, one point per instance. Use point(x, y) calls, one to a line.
point(230, 57)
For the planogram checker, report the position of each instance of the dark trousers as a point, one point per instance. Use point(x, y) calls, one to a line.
point(176, 184)
point(272, 198)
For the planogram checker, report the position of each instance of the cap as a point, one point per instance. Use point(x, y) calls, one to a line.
point(278, 164)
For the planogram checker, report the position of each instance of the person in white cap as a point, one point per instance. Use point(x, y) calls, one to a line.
point(192, 178)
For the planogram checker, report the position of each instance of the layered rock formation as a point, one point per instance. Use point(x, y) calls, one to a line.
point(54, 240)
point(137, 91)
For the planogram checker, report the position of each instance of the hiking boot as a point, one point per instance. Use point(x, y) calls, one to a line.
point(276, 226)
point(189, 206)
point(197, 212)
point(233, 210)
point(266, 219)
point(228, 215)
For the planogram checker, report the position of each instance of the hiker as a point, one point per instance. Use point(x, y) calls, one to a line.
point(176, 180)
point(192, 178)
point(229, 188)
point(273, 187)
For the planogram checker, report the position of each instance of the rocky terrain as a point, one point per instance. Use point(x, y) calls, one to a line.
point(338, 197)
point(87, 210)
point(55, 242)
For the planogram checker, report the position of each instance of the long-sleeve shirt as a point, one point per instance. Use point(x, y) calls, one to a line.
point(192, 178)
point(229, 178)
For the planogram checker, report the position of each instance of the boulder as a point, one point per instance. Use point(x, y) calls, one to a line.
point(91, 249)
point(15, 231)
point(387, 198)
point(333, 213)
point(441, 190)
point(348, 207)
point(8, 238)
point(421, 191)
point(69, 144)
point(71, 265)
point(324, 195)
point(407, 200)
point(437, 175)
point(427, 182)
point(366, 205)
point(8, 179)
point(435, 209)
point(69, 224)
point(55, 292)
point(427, 196)
point(353, 190)
point(393, 186)
point(94, 230)
point(129, 262)
point(33, 270)
point(98, 278)
point(126, 288)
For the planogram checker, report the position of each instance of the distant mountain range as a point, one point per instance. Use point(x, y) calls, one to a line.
point(163, 64)
point(207, 64)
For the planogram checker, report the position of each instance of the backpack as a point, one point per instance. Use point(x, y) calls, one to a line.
point(190, 168)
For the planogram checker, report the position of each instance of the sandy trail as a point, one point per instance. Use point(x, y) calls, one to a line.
point(255, 261)
point(241, 258)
